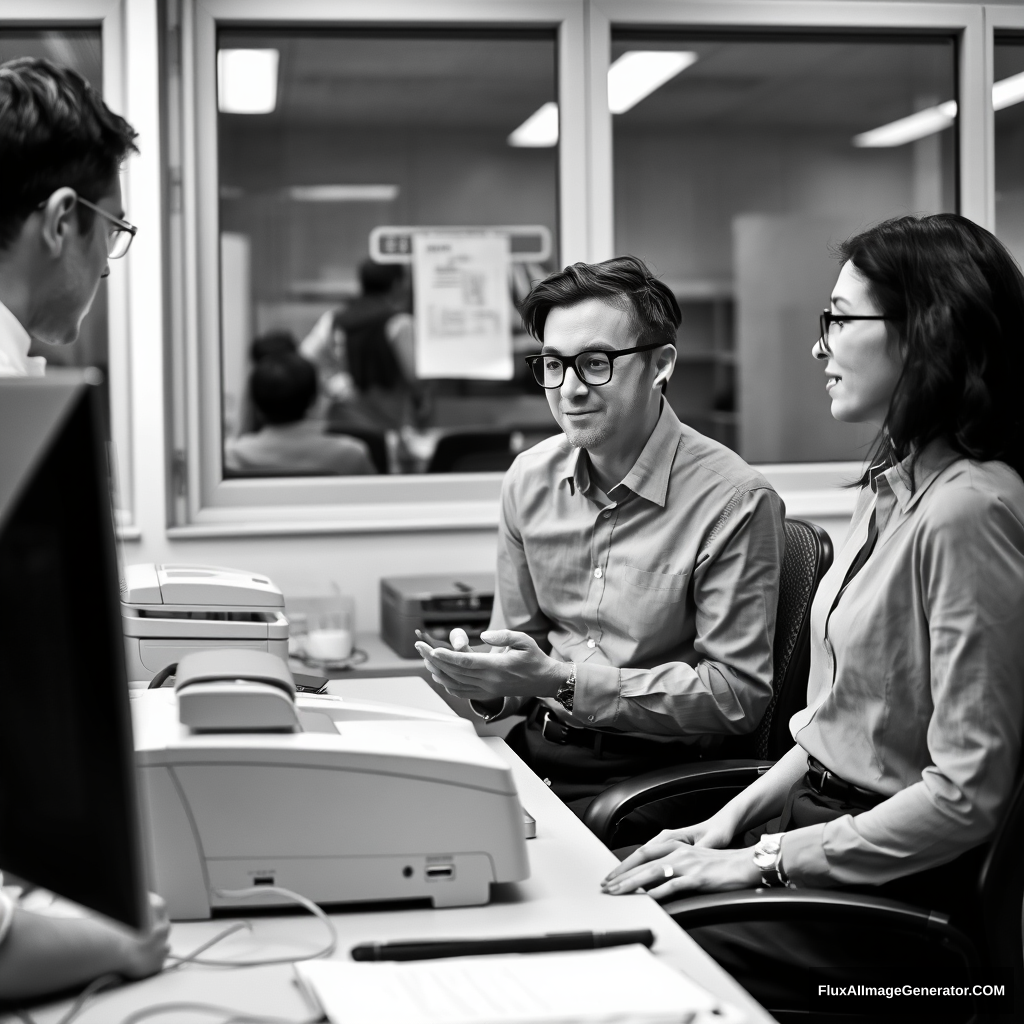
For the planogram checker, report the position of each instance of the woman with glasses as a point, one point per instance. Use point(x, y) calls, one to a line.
point(908, 749)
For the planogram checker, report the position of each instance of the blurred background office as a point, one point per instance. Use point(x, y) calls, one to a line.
point(291, 170)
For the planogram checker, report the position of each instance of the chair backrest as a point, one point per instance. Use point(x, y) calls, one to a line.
point(807, 558)
point(484, 451)
point(1001, 888)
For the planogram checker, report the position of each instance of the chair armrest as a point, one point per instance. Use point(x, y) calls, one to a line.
point(821, 905)
point(616, 802)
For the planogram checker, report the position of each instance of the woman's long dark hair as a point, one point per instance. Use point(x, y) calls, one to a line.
point(956, 296)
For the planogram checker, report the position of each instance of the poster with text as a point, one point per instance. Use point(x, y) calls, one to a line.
point(463, 317)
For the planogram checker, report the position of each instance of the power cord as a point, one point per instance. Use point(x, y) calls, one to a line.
point(233, 1016)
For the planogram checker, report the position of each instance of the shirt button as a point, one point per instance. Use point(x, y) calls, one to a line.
point(598, 573)
point(606, 515)
point(590, 718)
point(591, 643)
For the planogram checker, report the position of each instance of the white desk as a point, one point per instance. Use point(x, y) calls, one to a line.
point(566, 864)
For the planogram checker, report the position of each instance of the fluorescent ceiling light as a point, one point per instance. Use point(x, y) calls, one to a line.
point(934, 119)
point(633, 76)
point(1008, 91)
point(343, 193)
point(540, 129)
point(247, 81)
point(638, 73)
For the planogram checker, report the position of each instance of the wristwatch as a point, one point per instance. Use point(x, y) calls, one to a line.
point(568, 689)
point(768, 860)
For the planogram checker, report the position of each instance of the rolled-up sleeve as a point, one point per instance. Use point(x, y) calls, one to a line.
point(970, 563)
point(735, 594)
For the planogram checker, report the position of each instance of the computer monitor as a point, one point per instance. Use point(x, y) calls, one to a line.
point(69, 818)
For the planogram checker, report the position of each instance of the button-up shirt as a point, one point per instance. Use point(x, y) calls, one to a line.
point(663, 592)
point(14, 345)
point(916, 686)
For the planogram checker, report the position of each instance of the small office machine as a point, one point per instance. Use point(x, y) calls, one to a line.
point(245, 783)
point(436, 605)
point(167, 611)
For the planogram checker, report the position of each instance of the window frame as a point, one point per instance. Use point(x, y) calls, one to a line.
point(203, 504)
point(211, 505)
point(108, 17)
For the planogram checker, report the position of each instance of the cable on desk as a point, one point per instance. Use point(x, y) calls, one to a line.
point(259, 890)
point(190, 958)
point(232, 1016)
point(102, 982)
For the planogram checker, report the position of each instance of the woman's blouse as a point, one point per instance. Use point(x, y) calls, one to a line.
point(916, 687)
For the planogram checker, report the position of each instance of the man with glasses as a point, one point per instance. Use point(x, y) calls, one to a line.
point(644, 556)
point(60, 206)
point(60, 221)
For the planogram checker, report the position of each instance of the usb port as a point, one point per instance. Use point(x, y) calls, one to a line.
point(263, 880)
point(438, 872)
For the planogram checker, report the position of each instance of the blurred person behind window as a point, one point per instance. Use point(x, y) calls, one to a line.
point(283, 389)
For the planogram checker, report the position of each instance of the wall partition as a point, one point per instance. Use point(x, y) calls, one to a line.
point(316, 153)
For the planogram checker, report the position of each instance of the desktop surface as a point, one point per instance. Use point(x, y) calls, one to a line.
point(566, 860)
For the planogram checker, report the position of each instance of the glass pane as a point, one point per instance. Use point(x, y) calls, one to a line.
point(80, 49)
point(360, 130)
point(741, 161)
point(1007, 94)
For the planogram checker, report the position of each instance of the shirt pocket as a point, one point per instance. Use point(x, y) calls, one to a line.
point(652, 601)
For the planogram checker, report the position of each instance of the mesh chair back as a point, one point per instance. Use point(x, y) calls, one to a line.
point(807, 558)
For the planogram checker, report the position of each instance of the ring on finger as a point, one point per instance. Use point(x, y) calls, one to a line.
point(668, 870)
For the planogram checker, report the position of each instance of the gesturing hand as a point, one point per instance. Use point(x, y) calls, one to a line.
point(522, 669)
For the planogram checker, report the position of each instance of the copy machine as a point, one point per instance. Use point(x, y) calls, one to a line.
point(169, 610)
point(244, 783)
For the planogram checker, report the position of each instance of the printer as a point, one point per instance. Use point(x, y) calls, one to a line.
point(169, 610)
point(436, 604)
point(245, 783)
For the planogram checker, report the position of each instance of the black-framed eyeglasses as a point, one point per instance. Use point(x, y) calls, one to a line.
point(828, 320)
point(119, 238)
point(593, 367)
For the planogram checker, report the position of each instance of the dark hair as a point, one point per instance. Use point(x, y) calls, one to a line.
point(957, 297)
point(273, 343)
point(55, 131)
point(378, 278)
point(624, 282)
point(283, 387)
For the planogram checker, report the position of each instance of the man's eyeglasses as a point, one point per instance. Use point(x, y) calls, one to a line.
point(119, 238)
point(593, 368)
point(828, 324)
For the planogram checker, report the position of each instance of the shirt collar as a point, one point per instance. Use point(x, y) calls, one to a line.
point(908, 479)
point(14, 346)
point(649, 477)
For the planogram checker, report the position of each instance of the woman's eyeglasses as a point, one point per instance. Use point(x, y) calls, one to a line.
point(592, 368)
point(829, 324)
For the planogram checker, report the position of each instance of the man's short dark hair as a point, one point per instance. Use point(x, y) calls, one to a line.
point(624, 282)
point(55, 131)
point(271, 344)
point(378, 278)
point(283, 387)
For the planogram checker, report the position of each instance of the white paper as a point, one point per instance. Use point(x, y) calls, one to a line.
point(461, 295)
point(626, 983)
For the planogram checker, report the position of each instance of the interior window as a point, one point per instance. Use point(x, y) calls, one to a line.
point(1007, 98)
point(738, 162)
point(81, 50)
point(346, 158)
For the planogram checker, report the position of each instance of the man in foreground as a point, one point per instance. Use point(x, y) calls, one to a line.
point(60, 220)
point(643, 555)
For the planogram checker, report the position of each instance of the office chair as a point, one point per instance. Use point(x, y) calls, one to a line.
point(711, 784)
point(992, 948)
point(375, 440)
point(481, 451)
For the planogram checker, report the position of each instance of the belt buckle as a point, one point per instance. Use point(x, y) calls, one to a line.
point(818, 778)
point(550, 719)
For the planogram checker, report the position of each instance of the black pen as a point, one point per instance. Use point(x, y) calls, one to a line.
point(552, 942)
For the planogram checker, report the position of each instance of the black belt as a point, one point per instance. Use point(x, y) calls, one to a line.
point(555, 731)
point(827, 783)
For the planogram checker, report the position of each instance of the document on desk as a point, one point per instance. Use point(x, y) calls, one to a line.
point(625, 984)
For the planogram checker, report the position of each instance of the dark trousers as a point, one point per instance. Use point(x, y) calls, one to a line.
point(577, 774)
